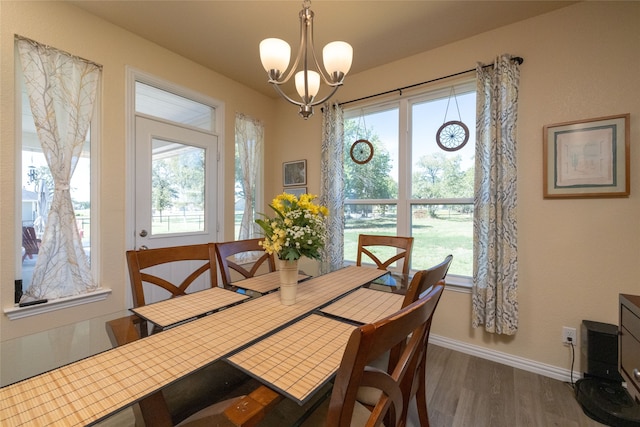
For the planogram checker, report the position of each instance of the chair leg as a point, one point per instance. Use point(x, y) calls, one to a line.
point(421, 394)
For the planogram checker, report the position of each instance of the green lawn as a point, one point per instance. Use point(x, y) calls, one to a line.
point(434, 238)
point(449, 232)
point(177, 223)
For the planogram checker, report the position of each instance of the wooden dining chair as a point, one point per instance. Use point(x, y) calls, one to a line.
point(225, 251)
point(369, 245)
point(404, 336)
point(199, 390)
point(424, 279)
point(422, 282)
point(139, 260)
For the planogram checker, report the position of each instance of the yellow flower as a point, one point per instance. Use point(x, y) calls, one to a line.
point(297, 230)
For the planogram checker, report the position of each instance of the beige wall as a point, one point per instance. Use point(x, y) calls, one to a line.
point(68, 28)
point(575, 256)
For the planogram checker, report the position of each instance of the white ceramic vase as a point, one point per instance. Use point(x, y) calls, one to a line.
point(288, 281)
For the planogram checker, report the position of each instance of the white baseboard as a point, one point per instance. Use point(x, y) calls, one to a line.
point(529, 365)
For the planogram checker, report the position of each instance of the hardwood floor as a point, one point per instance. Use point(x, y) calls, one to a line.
point(464, 390)
point(467, 391)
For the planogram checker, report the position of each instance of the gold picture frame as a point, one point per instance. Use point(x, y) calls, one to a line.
point(587, 158)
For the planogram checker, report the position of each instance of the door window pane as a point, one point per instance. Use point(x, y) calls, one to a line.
point(177, 187)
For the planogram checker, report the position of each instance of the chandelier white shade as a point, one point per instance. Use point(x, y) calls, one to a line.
point(313, 82)
point(337, 57)
point(275, 55)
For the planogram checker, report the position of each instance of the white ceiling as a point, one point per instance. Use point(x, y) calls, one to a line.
point(224, 35)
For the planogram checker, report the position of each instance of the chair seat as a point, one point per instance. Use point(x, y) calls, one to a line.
point(368, 395)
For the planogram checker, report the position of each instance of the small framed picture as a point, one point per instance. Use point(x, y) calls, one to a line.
point(294, 173)
point(586, 158)
point(296, 191)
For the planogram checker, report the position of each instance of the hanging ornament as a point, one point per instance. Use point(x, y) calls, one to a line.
point(452, 135)
point(361, 149)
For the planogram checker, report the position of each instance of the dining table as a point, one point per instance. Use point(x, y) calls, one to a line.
point(293, 350)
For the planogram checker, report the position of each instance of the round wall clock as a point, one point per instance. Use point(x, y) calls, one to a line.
point(361, 151)
point(452, 135)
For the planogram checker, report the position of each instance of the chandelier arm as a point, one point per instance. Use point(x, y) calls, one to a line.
point(285, 96)
point(286, 75)
point(325, 74)
point(335, 88)
point(302, 104)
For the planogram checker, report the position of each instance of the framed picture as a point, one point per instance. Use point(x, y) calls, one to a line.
point(296, 191)
point(294, 173)
point(587, 158)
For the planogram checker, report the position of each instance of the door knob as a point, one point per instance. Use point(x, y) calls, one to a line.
point(143, 233)
point(143, 248)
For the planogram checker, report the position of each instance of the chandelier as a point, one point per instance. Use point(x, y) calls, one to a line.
point(275, 55)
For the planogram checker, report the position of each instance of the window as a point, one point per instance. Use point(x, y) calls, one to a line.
point(249, 139)
point(411, 186)
point(155, 102)
point(58, 100)
point(37, 192)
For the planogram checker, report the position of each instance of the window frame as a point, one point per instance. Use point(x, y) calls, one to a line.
point(404, 202)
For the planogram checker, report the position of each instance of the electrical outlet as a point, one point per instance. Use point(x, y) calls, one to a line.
point(568, 335)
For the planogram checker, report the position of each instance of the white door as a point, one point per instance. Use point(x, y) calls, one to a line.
point(175, 185)
point(175, 198)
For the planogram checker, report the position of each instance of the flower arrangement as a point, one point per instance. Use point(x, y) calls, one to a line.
point(297, 230)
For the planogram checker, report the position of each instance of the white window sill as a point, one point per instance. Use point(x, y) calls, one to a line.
point(16, 312)
point(458, 283)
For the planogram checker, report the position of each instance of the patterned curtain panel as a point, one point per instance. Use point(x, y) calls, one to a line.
point(62, 91)
point(249, 143)
point(332, 185)
point(495, 243)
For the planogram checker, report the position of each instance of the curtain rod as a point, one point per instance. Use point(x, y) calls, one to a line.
point(35, 43)
point(518, 59)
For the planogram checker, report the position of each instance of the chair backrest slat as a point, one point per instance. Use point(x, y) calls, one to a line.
point(404, 244)
point(139, 260)
point(424, 279)
point(228, 249)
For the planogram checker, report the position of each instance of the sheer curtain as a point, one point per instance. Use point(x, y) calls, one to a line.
point(62, 91)
point(495, 269)
point(332, 185)
point(249, 143)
